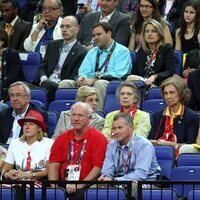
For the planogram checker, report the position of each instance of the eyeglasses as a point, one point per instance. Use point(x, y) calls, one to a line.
point(17, 95)
point(49, 9)
point(147, 7)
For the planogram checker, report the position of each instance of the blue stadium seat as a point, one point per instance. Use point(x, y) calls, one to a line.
point(133, 57)
point(30, 64)
point(66, 94)
point(179, 62)
point(51, 194)
point(185, 173)
point(52, 122)
point(60, 105)
point(188, 159)
point(154, 93)
point(153, 105)
point(40, 95)
point(194, 195)
point(165, 157)
point(7, 194)
point(158, 194)
point(104, 194)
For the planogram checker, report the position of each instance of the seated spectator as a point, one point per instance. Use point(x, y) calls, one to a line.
point(177, 124)
point(29, 153)
point(3, 153)
point(192, 62)
point(129, 98)
point(191, 148)
point(19, 94)
point(62, 59)
point(188, 35)
point(16, 28)
point(148, 9)
point(138, 165)
point(107, 61)
point(47, 29)
point(10, 65)
point(119, 22)
point(155, 60)
point(194, 86)
point(3, 106)
point(84, 94)
point(86, 144)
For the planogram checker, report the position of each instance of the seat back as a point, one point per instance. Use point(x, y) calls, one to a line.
point(158, 194)
point(179, 62)
point(194, 195)
point(165, 157)
point(184, 173)
point(104, 194)
point(154, 93)
point(7, 194)
point(52, 122)
point(60, 105)
point(133, 57)
point(66, 94)
point(51, 194)
point(188, 159)
point(40, 95)
point(153, 105)
point(30, 64)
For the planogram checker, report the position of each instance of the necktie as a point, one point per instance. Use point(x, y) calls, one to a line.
point(28, 162)
point(9, 28)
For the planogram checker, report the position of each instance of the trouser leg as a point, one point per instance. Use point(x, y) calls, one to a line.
point(67, 84)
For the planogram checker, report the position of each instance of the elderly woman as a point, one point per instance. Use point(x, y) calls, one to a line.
point(129, 98)
point(30, 153)
point(85, 94)
point(155, 59)
point(177, 124)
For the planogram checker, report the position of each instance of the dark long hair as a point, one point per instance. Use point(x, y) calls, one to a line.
point(196, 6)
point(139, 18)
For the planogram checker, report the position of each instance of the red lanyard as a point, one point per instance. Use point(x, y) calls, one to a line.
point(71, 153)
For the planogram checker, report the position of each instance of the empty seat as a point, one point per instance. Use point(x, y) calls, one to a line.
point(7, 194)
point(40, 95)
point(188, 159)
point(104, 194)
point(52, 122)
point(179, 61)
point(66, 94)
point(153, 105)
point(154, 93)
point(30, 64)
point(194, 195)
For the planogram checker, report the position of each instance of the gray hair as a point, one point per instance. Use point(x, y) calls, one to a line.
point(84, 105)
point(22, 84)
point(126, 117)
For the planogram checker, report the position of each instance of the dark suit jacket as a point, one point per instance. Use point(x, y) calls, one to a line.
point(11, 69)
point(71, 63)
point(119, 22)
point(164, 65)
point(192, 59)
point(6, 121)
point(185, 127)
point(194, 86)
point(19, 33)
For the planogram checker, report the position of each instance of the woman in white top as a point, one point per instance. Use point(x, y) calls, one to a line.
point(29, 153)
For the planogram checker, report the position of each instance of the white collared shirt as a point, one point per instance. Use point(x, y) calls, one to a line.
point(106, 18)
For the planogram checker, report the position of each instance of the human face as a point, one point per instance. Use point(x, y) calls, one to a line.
point(69, 29)
point(80, 119)
point(101, 38)
point(51, 10)
point(150, 35)
point(92, 100)
point(146, 9)
point(189, 14)
point(107, 6)
point(31, 130)
point(19, 99)
point(121, 131)
point(126, 97)
point(171, 96)
point(8, 12)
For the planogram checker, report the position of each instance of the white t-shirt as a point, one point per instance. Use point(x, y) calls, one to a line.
point(39, 152)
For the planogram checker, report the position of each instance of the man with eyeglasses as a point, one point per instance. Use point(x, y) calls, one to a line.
point(62, 59)
point(19, 94)
point(16, 28)
point(47, 29)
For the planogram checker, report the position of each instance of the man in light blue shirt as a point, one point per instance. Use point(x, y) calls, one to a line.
point(129, 157)
point(107, 61)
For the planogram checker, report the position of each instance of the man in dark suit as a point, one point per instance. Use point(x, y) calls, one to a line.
point(62, 58)
point(119, 22)
point(17, 29)
point(19, 94)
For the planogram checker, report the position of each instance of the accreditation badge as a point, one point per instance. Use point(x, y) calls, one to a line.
point(73, 172)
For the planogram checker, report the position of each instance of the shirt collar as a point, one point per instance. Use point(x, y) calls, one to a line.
point(106, 18)
point(128, 146)
point(15, 115)
point(85, 136)
point(13, 21)
point(178, 113)
point(108, 49)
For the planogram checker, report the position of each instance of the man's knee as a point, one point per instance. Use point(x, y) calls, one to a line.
point(67, 84)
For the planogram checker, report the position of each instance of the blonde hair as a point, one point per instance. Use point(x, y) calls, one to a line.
point(85, 91)
point(158, 28)
point(40, 136)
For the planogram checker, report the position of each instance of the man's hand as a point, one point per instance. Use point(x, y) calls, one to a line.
point(71, 188)
point(84, 81)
